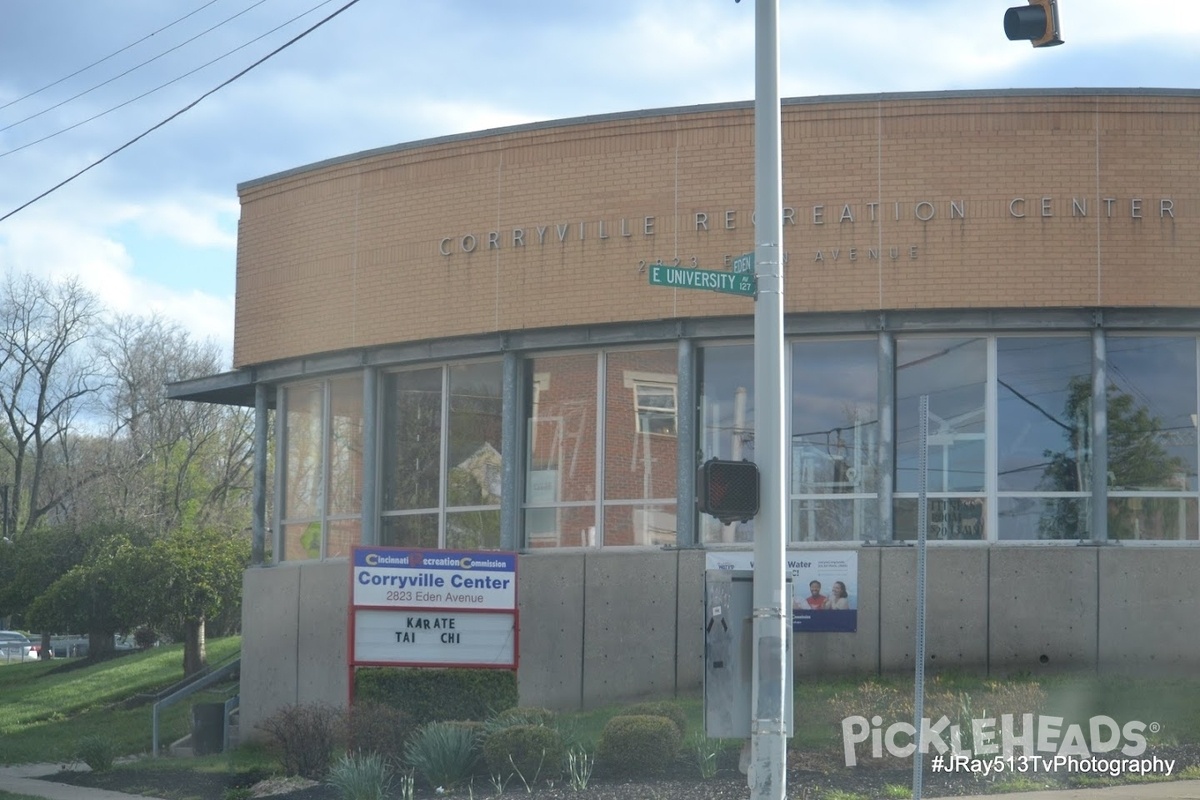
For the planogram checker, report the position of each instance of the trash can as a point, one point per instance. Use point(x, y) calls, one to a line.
point(208, 728)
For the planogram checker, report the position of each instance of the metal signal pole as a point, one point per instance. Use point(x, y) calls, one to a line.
point(768, 725)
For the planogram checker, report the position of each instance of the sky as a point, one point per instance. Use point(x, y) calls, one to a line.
point(153, 229)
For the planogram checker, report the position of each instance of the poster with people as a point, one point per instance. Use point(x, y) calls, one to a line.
point(824, 586)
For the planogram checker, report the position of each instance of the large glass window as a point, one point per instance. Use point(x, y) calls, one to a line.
point(1152, 408)
point(727, 423)
point(952, 371)
point(640, 447)
point(441, 481)
point(835, 439)
point(321, 463)
point(473, 488)
point(1044, 412)
point(560, 474)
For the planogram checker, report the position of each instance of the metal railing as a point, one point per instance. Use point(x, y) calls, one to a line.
point(216, 676)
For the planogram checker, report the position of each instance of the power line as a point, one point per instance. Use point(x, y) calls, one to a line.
point(178, 113)
point(161, 85)
point(61, 103)
point(106, 58)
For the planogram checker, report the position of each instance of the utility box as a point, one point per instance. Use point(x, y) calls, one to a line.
point(728, 653)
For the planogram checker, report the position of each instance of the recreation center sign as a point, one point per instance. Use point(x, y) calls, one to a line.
point(433, 608)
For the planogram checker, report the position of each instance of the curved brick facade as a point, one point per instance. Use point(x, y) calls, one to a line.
point(969, 200)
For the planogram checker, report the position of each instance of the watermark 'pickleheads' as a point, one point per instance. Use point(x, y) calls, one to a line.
point(1007, 735)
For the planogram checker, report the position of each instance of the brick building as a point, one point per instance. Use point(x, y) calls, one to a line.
point(462, 350)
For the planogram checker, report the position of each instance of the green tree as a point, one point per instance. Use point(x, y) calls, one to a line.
point(85, 598)
point(1137, 457)
point(182, 580)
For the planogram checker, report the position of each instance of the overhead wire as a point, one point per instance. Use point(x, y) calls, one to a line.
point(166, 52)
point(113, 54)
point(161, 85)
point(181, 111)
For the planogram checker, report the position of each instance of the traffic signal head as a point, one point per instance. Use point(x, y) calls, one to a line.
point(1037, 22)
point(728, 490)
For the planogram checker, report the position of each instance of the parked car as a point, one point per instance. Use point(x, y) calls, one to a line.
point(16, 646)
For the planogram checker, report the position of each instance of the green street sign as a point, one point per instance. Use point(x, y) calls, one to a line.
point(744, 263)
point(713, 280)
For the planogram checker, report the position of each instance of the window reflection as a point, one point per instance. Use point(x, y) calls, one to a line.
point(835, 438)
point(640, 446)
point(1152, 413)
point(727, 423)
point(953, 372)
point(412, 439)
point(1044, 394)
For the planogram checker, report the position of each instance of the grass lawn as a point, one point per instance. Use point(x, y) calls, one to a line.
point(45, 710)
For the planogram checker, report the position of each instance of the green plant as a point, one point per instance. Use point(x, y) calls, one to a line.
point(305, 738)
point(706, 751)
point(528, 750)
point(363, 776)
point(434, 695)
point(238, 793)
point(579, 767)
point(838, 794)
point(661, 708)
point(97, 752)
point(407, 787)
point(894, 791)
point(498, 781)
point(638, 745)
point(443, 753)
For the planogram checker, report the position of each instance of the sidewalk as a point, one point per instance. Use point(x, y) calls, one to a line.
point(23, 779)
point(1166, 790)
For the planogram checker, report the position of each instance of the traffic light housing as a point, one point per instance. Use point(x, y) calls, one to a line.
point(728, 490)
point(1037, 22)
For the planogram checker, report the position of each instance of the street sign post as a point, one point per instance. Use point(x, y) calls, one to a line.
point(711, 279)
point(744, 263)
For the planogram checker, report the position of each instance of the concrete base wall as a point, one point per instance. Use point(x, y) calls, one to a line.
point(605, 626)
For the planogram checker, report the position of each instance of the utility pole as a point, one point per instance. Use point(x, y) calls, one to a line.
point(767, 774)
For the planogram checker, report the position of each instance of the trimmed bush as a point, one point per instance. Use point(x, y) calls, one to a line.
point(304, 738)
point(520, 715)
point(638, 745)
point(444, 753)
point(663, 708)
point(434, 695)
point(535, 751)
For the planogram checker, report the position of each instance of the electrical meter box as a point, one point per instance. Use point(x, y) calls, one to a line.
point(728, 653)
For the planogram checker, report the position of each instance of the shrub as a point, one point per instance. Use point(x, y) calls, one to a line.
point(373, 728)
point(433, 695)
point(519, 716)
point(361, 777)
point(671, 711)
point(638, 745)
point(304, 738)
point(532, 751)
point(97, 752)
point(443, 753)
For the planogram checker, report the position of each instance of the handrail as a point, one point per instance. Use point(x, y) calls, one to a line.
point(216, 676)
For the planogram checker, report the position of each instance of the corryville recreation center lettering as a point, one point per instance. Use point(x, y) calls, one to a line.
point(817, 217)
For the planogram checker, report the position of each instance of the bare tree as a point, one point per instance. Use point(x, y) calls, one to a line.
point(45, 380)
point(167, 461)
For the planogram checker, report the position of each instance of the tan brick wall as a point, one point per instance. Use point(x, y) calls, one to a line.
point(347, 255)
